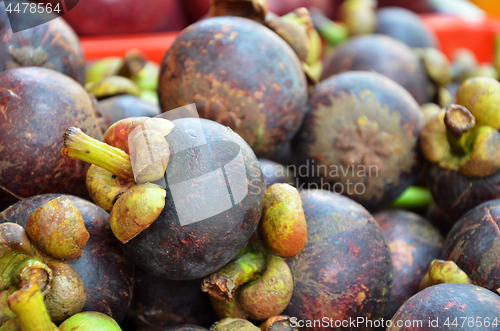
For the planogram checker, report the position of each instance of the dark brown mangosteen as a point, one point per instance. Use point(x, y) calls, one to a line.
point(462, 148)
point(474, 245)
point(414, 244)
point(345, 270)
point(38, 104)
point(159, 303)
point(206, 210)
point(240, 74)
point(119, 107)
point(360, 138)
point(385, 55)
point(405, 26)
point(52, 45)
point(448, 307)
point(107, 276)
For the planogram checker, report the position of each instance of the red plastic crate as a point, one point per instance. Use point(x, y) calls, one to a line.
point(453, 33)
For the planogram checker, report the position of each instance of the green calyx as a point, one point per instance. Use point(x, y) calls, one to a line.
point(441, 272)
point(256, 285)
point(465, 138)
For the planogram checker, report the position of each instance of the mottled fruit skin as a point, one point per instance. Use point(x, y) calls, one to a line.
point(240, 74)
point(414, 244)
point(405, 26)
point(116, 108)
point(108, 277)
point(447, 302)
point(474, 245)
point(125, 17)
point(455, 194)
point(274, 172)
point(38, 105)
point(384, 55)
point(359, 138)
point(53, 45)
point(345, 270)
point(198, 249)
point(159, 303)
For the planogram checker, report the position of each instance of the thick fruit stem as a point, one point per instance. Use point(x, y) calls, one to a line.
point(332, 32)
point(459, 122)
point(30, 309)
point(223, 283)
point(77, 145)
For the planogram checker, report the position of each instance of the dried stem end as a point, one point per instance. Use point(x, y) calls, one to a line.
point(223, 284)
point(459, 120)
point(77, 145)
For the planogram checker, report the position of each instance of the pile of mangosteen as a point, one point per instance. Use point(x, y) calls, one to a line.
point(276, 171)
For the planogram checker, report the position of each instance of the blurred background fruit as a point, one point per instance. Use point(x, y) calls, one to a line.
point(405, 26)
point(104, 17)
point(53, 45)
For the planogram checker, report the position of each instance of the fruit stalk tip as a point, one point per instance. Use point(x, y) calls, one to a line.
point(77, 145)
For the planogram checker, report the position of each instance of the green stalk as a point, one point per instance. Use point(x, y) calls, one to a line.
point(414, 197)
point(333, 33)
point(224, 283)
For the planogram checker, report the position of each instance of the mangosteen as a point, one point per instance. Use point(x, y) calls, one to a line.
point(414, 244)
point(345, 270)
point(197, 215)
point(122, 106)
point(385, 55)
point(38, 104)
point(240, 74)
point(405, 26)
point(474, 245)
point(106, 274)
point(461, 145)
point(359, 138)
point(159, 303)
point(448, 307)
point(52, 44)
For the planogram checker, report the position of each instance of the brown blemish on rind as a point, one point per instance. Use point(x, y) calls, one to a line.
point(52, 45)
